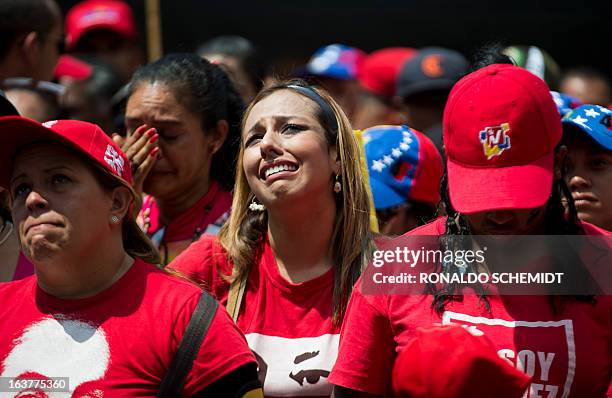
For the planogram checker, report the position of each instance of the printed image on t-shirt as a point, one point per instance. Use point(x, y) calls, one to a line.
point(59, 347)
point(296, 366)
point(545, 350)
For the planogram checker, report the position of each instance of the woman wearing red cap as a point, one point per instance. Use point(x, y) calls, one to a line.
point(296, 241)
point(98, 319)
point(183, 120)
point(501, 127)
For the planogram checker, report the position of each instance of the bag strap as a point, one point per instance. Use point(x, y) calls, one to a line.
point(190, 344)
point(235, 296)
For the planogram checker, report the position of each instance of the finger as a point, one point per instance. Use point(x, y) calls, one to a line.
point(119, 140)
point(134, 136)
point(145, 150)
point(139, 144)
point(146, 165)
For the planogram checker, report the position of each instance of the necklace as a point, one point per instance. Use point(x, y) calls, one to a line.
point(8, 234)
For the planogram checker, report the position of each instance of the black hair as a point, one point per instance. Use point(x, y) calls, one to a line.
point(557, 223)
point(19, 17)
point(204, 89)
point(491, 53)
point(241, 49)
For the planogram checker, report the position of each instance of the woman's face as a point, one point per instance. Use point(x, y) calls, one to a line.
point(286, 155)
point(185, 150)
point(58, 205)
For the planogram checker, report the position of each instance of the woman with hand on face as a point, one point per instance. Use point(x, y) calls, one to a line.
point(97, 311)
point(297, 239)
point(183, 118)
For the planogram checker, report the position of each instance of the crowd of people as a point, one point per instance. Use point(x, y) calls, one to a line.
point(198, 227)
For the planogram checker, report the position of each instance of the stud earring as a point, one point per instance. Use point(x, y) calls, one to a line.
point(255, 206)
point(114, 219)
point(337, 185)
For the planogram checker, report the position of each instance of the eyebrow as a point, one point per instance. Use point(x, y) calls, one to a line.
point(46, 171)
point(276, 119)
point(305, 356)
point(137, 120)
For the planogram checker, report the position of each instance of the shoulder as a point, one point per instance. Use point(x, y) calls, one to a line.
point(590, 229)
point(17, 286)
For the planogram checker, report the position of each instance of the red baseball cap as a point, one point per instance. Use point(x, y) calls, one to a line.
point(501, 127)
point(68, 66)
point(88, 15)
point(448, 361)
point(379, 71)
point(86, 138)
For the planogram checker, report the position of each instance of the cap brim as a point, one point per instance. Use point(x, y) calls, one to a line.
point(385, 197)
point(474, 190)
point(604, 139)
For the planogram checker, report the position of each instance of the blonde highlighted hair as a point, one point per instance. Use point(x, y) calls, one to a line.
point(242, 236)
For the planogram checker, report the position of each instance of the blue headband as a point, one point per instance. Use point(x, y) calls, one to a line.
point(328, 112)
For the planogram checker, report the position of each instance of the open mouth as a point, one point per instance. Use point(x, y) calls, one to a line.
point(277, 168)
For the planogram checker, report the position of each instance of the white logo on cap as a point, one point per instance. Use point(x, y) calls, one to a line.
point(114, 160)
point(49, 124)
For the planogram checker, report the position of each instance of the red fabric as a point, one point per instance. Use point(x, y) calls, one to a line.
point(24, 267)
point(213, 205)
point(86, 138)
point(566, 352)
point(449, 361)
point(99, 14)
point(287, 325)
point(118, 343)
point(68, 66)
point(426, 187)
point(379, 71)
point(497, 121)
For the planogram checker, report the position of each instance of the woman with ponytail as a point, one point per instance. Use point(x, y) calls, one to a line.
point(183, 120)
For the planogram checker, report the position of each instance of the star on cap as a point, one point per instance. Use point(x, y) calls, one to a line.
point(591, 112)
point(387, 159)
point(378, 165)
point(581, 121)
point(403, 146)
point(395, 152)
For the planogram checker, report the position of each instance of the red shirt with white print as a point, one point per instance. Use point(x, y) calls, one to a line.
point(118, 343)
point(288, 325)
point(567, 353)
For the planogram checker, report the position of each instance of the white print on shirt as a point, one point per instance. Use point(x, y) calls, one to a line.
point(535, 363)
point(60, 347)
point(295, 367)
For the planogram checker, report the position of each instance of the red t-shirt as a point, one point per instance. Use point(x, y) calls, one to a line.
point(288, 326)
point(206, 216)
point(118, 343)
point(567, 353)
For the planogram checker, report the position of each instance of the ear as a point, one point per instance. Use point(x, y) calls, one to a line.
point(121, 199)
point(559, 160)
point(334, 158)
point(31, 48)
point(218, 136)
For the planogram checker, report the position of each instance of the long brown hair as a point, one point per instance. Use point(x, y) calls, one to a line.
point(351, 243)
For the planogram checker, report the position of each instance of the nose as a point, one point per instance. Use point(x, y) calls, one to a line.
point(36, 202)
point(269, 147)
point(500, 217)
point(578, 183)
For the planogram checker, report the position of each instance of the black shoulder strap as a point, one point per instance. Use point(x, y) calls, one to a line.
point(200, 321)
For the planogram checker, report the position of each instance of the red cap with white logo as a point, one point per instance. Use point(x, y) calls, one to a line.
point(17, 132)
point(501, 127)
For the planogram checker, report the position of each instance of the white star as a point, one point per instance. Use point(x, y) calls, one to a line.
point(404, 146)
point(378, 165)
point(407, 139)
point(581, 121)
point(396, 152)
point(387, 159)
point(591, 112)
